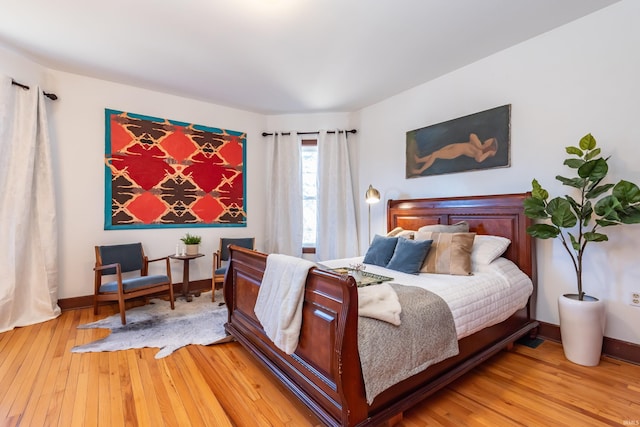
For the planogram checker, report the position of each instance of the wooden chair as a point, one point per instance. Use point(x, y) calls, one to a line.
point(222, 255)
point(127, 258)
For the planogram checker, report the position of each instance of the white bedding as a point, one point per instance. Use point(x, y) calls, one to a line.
point(492, 294)
point(279, 302)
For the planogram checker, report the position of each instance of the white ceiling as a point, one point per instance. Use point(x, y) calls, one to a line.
point(275, 56)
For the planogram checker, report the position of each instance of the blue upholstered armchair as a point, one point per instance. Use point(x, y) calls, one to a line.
point(221, 257)
point(115, 260)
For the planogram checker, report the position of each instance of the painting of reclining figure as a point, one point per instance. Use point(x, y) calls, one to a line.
point(477, 141)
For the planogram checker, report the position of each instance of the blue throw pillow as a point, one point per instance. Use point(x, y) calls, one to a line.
point(380, 251)
point(409, 255)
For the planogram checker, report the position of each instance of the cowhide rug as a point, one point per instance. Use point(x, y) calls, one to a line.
point(156, 325)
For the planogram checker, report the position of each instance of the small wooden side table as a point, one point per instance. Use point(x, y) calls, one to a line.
point(185, 274)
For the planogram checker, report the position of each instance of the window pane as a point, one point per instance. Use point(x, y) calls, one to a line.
point(309, 194)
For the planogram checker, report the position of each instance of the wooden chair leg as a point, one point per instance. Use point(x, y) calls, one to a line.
point(121, 306)
point(171, 298)
point(213, 289)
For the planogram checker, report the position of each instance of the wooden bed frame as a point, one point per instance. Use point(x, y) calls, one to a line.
point(324, 372)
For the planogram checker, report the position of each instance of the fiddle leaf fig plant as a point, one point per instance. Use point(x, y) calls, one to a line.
point(577, 220)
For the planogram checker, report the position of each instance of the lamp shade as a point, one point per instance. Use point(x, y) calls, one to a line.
point(372, 195)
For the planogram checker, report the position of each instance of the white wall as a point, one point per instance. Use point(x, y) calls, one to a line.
point(21, 69)
point(307, 122)
point(77, 120)
point(580, 78)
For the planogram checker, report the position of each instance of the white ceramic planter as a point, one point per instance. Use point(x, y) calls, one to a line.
point(581, 328)
point(192, 249)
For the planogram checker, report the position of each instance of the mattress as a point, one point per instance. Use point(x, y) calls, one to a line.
point(493, 293)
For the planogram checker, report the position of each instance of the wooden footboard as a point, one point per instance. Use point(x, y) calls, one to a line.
point(324, 372)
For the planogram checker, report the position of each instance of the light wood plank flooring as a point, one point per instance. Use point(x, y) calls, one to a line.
point(43, 384)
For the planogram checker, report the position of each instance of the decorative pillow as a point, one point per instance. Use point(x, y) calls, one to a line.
point(407, 234)
point(395, 232)
point(401, 232)
point(488, 248)
point(458, 227)
point(380, 251)
point(450, 253)
point(409, 255)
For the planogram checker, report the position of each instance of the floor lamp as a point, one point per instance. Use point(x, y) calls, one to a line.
point(371, 196)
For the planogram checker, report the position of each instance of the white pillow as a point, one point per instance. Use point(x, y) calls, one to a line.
point(487, 248)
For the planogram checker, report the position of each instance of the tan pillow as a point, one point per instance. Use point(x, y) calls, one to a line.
point(450, 253)
point(401, 232)
point(458, 227)
point(395, 231)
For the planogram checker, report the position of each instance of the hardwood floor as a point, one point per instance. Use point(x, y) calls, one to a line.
point(43, 384)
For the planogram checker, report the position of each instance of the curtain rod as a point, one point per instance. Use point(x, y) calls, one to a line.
point(310, 133)
point(51, 96)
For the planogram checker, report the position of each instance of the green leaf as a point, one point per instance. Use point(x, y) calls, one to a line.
point(607, 208)
point(538, 192)
point(630, 215)
point(595, 237)
point(597, 191)
point(543, 231)
point(591, 154)
point(574, 150)
point(626, 192)
point(573, 182)
point(535, 208)
point(574, 163)
point(574, 242)
point(588, 142)
point(586, 212)
point(594, 169)
point(561, 213)
point(591, 186)
point(574, 204)
point(606, 223)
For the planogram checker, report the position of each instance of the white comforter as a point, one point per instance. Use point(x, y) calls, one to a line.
point(492, 294)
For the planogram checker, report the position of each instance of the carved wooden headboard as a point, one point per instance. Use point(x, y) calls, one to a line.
point(499, 215)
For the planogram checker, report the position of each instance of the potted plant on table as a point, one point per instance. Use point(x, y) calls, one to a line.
point(192, 243)
point(577, 222)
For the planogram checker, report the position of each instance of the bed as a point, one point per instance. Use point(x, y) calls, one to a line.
point(325, 371)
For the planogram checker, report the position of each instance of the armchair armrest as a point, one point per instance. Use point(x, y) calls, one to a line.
point(98, 274)
point(166, 260)
point(106, 266)
point(158, 259)
point(217, 263)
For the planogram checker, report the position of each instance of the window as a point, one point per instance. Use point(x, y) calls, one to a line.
point(309, 194)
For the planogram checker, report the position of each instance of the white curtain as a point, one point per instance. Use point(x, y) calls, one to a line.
point(284, 195)
point(337, 232)
point(28, 236)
